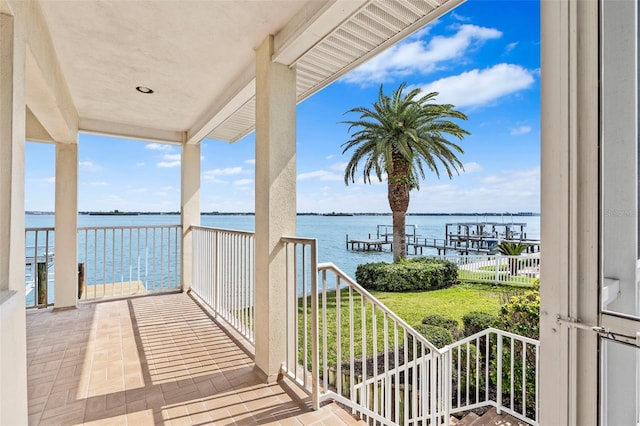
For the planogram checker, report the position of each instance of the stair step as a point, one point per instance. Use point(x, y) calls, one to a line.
point(485, 418)
point(490, 418)
point(467, 420)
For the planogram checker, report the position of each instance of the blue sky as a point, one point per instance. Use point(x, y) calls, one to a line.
point(483, 57)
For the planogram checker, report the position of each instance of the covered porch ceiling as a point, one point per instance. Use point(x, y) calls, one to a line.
point(86, 59)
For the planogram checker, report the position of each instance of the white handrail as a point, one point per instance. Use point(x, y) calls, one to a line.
point(480, 364)
point(224, 275)
point(401, 377)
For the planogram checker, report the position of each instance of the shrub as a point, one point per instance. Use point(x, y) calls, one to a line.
point(444, 322)
point(521, 315)
point(416, 274)
point(438, 336)
point(475, 322)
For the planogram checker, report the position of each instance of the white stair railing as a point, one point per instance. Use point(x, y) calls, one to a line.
point(346, 346)
point(342, 344)
point(495, 368)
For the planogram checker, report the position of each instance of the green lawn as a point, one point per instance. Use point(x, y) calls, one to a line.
point(454, 302)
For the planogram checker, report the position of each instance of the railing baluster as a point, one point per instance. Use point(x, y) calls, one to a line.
point(338, 334)
point(499, 374)
point(512, 373)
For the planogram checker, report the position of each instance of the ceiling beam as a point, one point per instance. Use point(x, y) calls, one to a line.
point(127, 131)
point(47, 93)
point(34, 130)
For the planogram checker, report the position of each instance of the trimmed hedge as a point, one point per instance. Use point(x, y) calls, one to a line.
point(438, 336)
point(475, 322)
point(444, 322)
point(417, 274)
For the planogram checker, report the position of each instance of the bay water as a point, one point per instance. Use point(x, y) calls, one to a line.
point(330, 231)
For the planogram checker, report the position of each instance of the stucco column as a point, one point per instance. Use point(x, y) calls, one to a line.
point(13, 341)
point(66, 222)
point(275, 203)
point(190, 207)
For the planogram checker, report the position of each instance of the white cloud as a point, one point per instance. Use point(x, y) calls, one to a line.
point(480, 87)
point(505, 190)
point(329, 157)
point(168, 164)
point(243, 182)
point(521, 130)
point(250, 161)
point(509, 47)
point(213, 175)
point(137, 191)
point(419, 56)
point(158, 147)
point(225, 171)
point(51, 179)
point(339, 166)
point(88, 165)
point(140, 164)
point(320, 175)
point(169, 161)
point(459, 17)
point(472, 167)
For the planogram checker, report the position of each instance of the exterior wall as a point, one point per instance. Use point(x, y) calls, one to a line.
point(13, 355)
point(13, 341)
point(570, 213)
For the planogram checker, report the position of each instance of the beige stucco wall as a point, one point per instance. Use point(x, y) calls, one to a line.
point(13, 351)
point(13, 359)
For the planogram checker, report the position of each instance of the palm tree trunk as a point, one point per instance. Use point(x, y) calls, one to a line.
point(399, 236)
point(398, 188)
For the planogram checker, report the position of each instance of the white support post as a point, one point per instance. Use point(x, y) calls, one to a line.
point(190, 207)
point(66, 226)
point(13, 340)
point(569, 263)
point(275, 204)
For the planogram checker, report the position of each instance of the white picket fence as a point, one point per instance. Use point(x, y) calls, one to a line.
point(499, 269)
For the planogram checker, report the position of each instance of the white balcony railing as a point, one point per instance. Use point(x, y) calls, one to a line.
point(129, 260)
point(223, 275)
point(39, 267)
point(112, 261)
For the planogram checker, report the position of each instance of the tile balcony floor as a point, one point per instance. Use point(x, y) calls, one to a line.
point(151, 360)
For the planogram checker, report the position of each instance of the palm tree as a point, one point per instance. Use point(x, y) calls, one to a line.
point(512, 248)
point(401, 136)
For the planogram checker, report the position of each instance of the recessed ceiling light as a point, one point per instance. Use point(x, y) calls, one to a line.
point(144, 90)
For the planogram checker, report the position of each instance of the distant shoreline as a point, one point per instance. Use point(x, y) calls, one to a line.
point(98, 213)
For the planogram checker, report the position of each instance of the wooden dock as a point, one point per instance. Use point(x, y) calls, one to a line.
point(367, 244)
point(462, 238)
